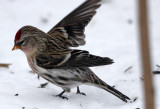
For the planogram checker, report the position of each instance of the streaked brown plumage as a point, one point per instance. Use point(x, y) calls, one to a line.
point(50, 56)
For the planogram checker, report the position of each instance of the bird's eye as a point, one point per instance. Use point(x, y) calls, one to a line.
point(21, 43)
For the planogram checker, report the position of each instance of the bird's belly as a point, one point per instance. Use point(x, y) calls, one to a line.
point(64, 78)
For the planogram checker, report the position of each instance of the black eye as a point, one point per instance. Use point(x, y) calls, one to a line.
point(21, 43)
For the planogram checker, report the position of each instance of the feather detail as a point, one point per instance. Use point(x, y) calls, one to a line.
point(76, 59)
point(74, 23)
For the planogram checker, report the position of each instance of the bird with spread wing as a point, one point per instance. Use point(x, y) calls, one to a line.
point(51, 57)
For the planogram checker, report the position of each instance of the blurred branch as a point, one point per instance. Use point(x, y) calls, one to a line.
point(158, 66)
point(156, 72)
point(145, 55)
point(4, 65)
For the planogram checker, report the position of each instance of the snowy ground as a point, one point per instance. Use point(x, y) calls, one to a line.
point(112, 33)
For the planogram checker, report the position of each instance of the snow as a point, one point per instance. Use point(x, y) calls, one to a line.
point(112, 33)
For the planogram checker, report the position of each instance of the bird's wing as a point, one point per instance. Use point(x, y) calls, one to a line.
point(75, 22)
point(76, 59)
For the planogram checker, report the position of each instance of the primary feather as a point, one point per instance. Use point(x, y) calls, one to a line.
point(74, 23)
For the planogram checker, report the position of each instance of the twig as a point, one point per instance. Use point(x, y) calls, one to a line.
point(145, 54)
point(4, 65)
point(133, 99)
point(156, 72)
point(129, 68)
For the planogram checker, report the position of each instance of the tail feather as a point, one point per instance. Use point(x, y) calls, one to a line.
point(112, 90)
point(96, 81)
point(116, 93)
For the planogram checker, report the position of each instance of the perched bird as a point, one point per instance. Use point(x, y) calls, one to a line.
point(51, 57)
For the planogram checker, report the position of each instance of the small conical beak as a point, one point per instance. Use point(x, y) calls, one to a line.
point(15, 47)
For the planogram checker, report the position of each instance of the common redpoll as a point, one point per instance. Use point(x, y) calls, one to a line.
point(50, 56)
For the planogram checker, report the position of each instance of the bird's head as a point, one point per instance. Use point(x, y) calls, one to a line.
point(25, 39)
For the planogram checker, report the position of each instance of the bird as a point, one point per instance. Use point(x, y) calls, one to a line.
point(53, 56)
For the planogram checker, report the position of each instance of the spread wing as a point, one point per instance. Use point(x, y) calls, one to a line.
point(76, 59)
point(74, 24)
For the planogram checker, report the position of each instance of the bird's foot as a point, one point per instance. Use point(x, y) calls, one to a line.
point(81, 93)
point(63, 97)
point(60, 95)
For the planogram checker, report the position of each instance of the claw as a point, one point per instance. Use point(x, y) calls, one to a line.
point(81, 93)
point(63, 97)
point(60, 95)
point(78, 92)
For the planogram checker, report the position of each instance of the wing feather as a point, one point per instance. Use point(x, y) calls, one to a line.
point(76, 59)
point(74, 23)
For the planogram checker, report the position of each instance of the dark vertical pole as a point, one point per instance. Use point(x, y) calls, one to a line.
point(145, 55)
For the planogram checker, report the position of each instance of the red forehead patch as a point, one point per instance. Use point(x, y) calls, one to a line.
point(18, 35)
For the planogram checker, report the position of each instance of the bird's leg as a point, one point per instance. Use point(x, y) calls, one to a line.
point(78, 92)
point(60, 95)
